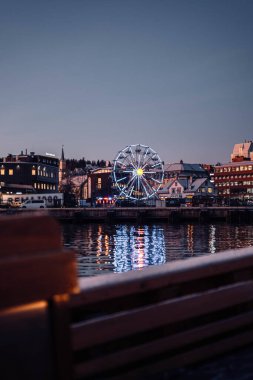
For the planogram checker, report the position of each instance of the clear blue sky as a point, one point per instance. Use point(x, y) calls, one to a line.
point(97, 75)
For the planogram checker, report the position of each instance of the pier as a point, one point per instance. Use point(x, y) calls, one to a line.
point(144, 214)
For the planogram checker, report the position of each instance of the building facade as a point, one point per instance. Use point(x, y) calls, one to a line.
point(242, 152)
point(184, 171)
point(186, 181)
point(98, 187)
point(234, 180)
point(25, 173)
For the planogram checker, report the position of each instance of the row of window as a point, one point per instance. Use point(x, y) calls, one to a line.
point(42, 173)
point(174, 190)
point(50, 162)
point(44, 186)
point(200, 190)
point(227, 191)
point(2, 171)
point(103, 171)
point(233, 176)
point(241, 183)
point(233, 169)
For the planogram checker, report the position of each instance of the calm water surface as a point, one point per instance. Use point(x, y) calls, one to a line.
point(103, 248)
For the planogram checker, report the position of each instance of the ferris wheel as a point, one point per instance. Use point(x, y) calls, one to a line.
point(138, 172)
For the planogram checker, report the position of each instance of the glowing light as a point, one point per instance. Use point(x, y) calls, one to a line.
point(139, 171)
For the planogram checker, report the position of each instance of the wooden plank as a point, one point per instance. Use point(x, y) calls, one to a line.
point(28, 234)
point(38, 277)
point(190, 357)
point(109, 286)
point(60, 322)
point(119, 325)
point(25, 343)
point(142, 351)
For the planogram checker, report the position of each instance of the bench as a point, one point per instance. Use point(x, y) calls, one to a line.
point(141, 323)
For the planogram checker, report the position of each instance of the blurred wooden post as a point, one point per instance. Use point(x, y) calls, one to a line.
point(36, 277)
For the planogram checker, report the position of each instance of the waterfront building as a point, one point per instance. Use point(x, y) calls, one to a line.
point(98, 188)
point(184, 180)
point(187, 189)
point(234, 180)
point(26, 173)
point(182, 170)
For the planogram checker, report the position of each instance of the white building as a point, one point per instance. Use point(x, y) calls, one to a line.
point(242, 151)
point(183, 180)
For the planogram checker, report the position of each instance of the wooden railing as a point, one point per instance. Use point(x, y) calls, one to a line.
point(118, 326)
point(36, 279)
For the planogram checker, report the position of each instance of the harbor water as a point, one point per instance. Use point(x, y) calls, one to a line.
point(104, 248)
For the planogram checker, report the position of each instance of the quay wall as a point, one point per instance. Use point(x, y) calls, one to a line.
point(145, 214)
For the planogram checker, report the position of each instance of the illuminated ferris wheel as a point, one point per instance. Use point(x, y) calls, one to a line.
point(138, 172)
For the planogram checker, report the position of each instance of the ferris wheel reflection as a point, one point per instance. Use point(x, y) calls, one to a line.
point(136, 247)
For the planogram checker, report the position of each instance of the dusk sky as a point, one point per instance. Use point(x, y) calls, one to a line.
point(97, 75)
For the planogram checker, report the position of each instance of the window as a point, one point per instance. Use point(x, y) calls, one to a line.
point(2, 171)
point(33, 172)
point(10, 171)
point(99, 185)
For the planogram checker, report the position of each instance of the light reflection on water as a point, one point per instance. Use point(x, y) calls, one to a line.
point(137, 246)
point(102, 248)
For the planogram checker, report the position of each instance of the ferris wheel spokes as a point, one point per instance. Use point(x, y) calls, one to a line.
point(133, 174)
point(132, 179)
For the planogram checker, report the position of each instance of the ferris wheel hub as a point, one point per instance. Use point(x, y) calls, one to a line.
point(139, 171)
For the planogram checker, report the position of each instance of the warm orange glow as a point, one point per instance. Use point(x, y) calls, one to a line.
point(26, 307)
